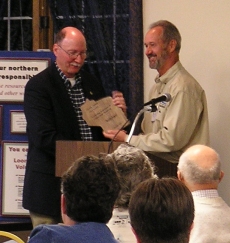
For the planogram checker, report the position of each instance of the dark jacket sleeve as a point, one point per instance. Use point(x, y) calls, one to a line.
point(49, 112)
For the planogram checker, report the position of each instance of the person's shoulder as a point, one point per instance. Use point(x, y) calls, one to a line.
point(98, 232)
point(45, 71)
point(87, 75)
point(183, 82)
point(44, 233)
point(186, 76)
point(84, 232)
point(205, 204)
point(48, 227)
point(42, 77)
point(92, 85)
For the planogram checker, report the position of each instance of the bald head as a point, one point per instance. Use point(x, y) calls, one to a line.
point(203, 156)
point(69, 34)
point(70, 50)
point(200, 165)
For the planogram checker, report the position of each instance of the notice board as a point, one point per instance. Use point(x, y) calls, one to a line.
point(16, 68)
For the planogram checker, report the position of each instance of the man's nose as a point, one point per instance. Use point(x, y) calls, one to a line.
point(148, 50)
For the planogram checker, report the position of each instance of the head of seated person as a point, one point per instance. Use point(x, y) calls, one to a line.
point(162, 211)
point(133, 166)
point(199, 168)
point(89, 190)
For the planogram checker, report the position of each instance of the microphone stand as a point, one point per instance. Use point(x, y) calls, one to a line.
point(151, 108)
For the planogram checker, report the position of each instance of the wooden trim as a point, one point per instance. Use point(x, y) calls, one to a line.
point(42, 37)
point(51, 32)
point(35, 25)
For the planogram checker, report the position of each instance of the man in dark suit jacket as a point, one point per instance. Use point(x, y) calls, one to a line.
point(52, 108)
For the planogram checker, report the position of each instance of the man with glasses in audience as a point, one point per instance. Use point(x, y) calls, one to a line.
point(52, 108)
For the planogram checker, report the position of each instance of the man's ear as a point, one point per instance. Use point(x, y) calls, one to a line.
point(191, 227)
point(55, 49)
point(172, 45)
point(221, 176)
point(63, 204)
point(134, 232)
point(179, 176)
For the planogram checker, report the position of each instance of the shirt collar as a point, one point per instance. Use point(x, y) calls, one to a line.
point(211, 193)
point(65, 79)
point(169, 74)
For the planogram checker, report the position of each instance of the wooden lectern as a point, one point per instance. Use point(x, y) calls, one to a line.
point(68, 151)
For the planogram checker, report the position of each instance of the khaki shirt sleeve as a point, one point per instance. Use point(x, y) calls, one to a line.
point(174, 125)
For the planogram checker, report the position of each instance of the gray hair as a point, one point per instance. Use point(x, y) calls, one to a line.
point(170, 32)
point(133, 166)
point(194, 173)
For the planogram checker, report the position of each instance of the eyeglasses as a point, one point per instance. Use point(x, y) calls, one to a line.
point(73, 54)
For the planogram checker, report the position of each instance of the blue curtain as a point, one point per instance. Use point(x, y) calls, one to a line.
point(114, 34)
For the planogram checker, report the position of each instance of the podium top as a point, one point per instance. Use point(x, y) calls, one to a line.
point(68, 151)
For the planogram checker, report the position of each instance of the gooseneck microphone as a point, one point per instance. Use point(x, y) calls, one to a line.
point(165, 97)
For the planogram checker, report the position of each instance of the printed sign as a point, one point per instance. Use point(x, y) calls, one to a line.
point(15, 73)
point(14, 165)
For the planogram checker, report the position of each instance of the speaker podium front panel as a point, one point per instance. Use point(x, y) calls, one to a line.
point(68, 151)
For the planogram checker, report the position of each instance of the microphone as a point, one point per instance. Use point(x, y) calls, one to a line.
point(165, 97)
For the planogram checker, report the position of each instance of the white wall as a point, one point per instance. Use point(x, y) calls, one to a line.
point(205, 53)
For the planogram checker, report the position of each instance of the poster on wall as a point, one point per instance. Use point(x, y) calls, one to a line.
point(1, 120)
point(15, 73)
point(13, 165)
point(17, 122)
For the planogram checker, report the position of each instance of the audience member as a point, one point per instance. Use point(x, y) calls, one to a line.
point(180, 123)
point(162, 211)
point(89, 190)
point(133, 167)
point(52, 108)
point(200, 169)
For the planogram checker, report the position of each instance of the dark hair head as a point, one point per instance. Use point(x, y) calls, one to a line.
point(162, 211)
point(170, 32)
point(90, 187)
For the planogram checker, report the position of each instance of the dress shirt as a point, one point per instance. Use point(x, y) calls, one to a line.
point(178, 124)
point(212, 218)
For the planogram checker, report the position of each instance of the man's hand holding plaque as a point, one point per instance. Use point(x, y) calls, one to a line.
point(104, 113)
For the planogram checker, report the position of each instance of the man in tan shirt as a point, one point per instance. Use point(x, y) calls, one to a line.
point(181, 122)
